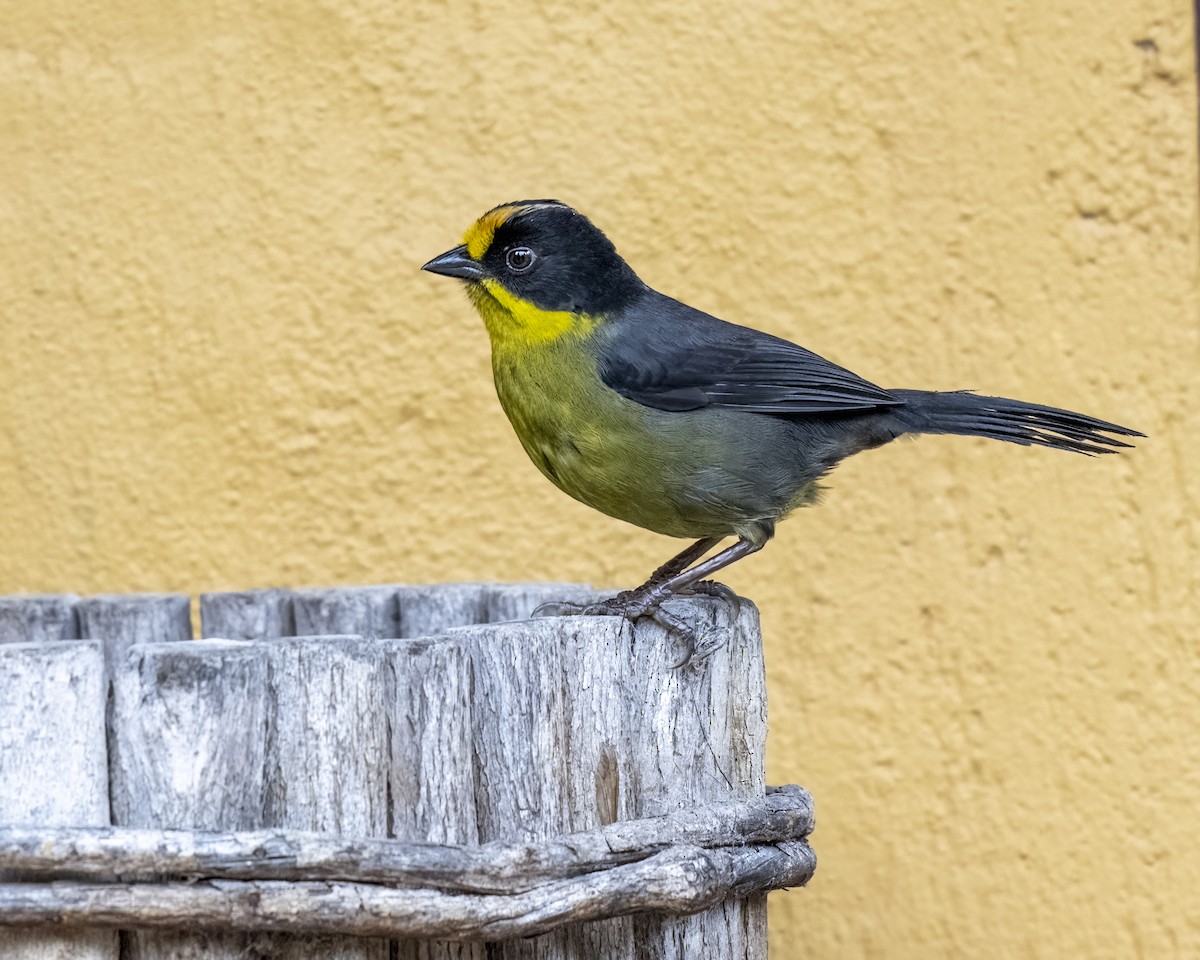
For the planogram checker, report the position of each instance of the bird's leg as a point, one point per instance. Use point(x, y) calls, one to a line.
point(709, 588)
point(647, 598)
point(650, 596)
point(684, 559)
point(676, 565)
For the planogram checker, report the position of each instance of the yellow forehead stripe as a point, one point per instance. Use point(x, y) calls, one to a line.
point(479, 237)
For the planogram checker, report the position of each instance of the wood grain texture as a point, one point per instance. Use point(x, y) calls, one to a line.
point(538, 735)
point(517, 601)
point(432, 765)
point(362, 611)
point(53, 766)
point(121, 620)
point(39, 618)
point(247, 615)
point(699, 735)
point(188, 739)
point(327, 740)
point(434, 608)
point(326, 759)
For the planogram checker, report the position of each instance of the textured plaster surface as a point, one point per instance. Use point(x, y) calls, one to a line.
point(219, 367)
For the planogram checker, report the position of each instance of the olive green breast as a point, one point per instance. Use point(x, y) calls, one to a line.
point(684, 474)
point(700, 473)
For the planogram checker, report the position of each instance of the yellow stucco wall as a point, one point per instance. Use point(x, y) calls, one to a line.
point(219, 367)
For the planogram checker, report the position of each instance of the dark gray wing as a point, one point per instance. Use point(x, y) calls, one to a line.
point(667, 355)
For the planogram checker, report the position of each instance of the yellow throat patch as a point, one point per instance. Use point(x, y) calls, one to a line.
point(513, 322)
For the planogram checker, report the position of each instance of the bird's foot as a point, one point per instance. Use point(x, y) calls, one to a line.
point(711, 588)
point(631, 604)
point(646, 603)
point(733, 603)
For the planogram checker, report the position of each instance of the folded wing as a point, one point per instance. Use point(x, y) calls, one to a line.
point(664, 354)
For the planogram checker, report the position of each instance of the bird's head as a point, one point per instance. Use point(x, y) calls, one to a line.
point(539, 257)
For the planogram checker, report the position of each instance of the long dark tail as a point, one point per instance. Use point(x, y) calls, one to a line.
point(962, 412)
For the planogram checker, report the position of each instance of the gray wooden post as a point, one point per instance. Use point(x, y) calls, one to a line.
point(429, 610)
point(517, 601)
point(384, 611)
point(188, 722)
point(327, 748)
point(121, 620)
point(580, 721)
point(432, 769)
point(699, 734)
point(546, 743)
point(53, 768)
point(38, 618)
point(365, 611)
point(247, 615)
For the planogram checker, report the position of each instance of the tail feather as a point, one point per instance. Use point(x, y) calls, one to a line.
point(969, 414)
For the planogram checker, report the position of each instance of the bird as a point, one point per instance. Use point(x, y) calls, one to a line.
point(664, 416)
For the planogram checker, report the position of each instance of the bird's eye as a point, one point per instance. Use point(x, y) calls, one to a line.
point(519, 259)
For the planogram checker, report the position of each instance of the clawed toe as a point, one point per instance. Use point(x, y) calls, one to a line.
point(636, 605)
point(682, 630)
point(560, 608)
point(712, 588)
point(629, 604)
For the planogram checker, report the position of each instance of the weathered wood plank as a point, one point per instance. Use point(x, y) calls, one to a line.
point(679, 879)
point(327, 742)
point(121, 620)
point(431, 761)
point(699, 735)
point(188, 743)
point(431, 609)
point(53, 765)
point(432, 766)
point(38, 618)
point(424, 610)
point(543, 746)
point(596, 775)
point(247, 615)
point(327, 749)
point(344, 611)
point(785, 814)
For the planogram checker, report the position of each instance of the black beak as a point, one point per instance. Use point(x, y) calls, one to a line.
point(455, 263)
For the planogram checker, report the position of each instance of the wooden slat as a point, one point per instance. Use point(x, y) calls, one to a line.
point(326, 770)
point(361, 611)
point(38, 618)
point(188, 738)
point(121, 620)
point(53, 766)
point(247, 615)
point(700, 736)
point(432, 766)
